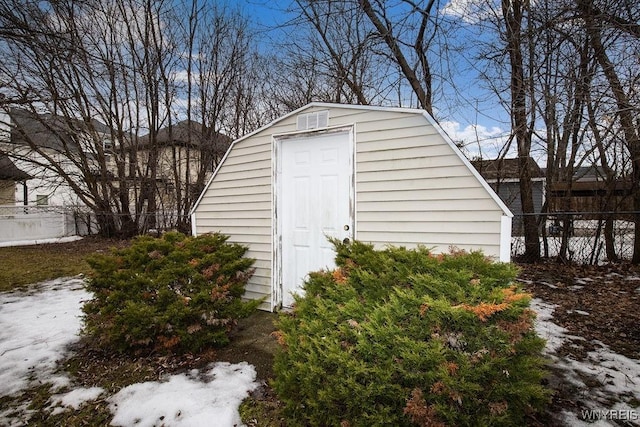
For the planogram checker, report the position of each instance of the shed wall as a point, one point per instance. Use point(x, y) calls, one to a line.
point(411, 189)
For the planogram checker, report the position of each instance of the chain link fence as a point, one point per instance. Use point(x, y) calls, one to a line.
point(580, 237)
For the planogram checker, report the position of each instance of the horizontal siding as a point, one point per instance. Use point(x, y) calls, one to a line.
point(413, 189)
point(246, 198)
point(238, 203)
point(422, 206)
point(452, 217)
point(264, 181)
point(232, 206)
point(403, 174)
point(412, 164)
point(210, 224)
point(422, 194)
point(403, 152)
point(222, 191)
point(410, 227)
point(214, 215)
point(447, 183)
point(240, 174)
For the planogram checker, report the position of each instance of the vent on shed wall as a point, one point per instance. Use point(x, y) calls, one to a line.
point(319, 119)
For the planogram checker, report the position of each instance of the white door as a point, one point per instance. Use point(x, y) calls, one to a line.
point(315, 177)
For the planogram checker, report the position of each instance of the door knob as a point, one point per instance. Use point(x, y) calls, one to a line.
point(346, 241)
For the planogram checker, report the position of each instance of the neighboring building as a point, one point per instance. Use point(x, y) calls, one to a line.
point(187, 154)
point(10, 176)
point(50, 134)
point(590, 192)
point(379, 175)
point(503, 175)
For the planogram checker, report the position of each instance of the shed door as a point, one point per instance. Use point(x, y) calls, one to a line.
point(314, 203)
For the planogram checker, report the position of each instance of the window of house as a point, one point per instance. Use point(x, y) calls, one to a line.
point(107, 145)
point(42, 199)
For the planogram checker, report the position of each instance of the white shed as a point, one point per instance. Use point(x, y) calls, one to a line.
point(376, 174)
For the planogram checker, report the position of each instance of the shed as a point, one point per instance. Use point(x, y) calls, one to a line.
point(503, 175)
point(388, 176)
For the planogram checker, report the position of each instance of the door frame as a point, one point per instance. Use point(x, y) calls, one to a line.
point(276, 185)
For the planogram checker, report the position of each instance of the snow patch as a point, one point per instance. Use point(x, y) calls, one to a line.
point(555, 335)
point(581, 312)
point(193, 399)
point(612, 377)
point(548, 284)
point(35, 329)
point(74, 399)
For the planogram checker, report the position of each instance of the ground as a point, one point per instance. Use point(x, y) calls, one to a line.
point(589, 315)
point(598, 307)
point(595, 365)
point(610, 294)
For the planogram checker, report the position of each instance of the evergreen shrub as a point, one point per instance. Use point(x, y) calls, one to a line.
point(169, 294)
point(403, 337)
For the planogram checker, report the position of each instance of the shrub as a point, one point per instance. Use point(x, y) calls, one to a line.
point(169, 294)
point(402, 337)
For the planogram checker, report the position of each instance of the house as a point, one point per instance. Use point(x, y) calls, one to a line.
point(591, 193)
point(10, 175)
point(376, 174)
point(34, 142)
point(186, 155)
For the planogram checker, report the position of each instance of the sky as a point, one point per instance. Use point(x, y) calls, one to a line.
point(471, 115)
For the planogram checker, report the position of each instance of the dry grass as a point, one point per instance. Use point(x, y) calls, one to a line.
point(24, 265)
point(88, 365)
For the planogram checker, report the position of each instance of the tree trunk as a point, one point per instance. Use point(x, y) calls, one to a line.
point(625, 112)
point(513, 17)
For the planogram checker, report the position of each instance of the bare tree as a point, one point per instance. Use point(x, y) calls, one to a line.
point(370, 51)
point(143, 97)
point(627, 111)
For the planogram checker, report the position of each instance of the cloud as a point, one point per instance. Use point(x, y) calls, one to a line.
point(477, 140)
point(470, 11)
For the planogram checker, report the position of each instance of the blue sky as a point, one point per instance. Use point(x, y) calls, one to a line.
point(471, 114)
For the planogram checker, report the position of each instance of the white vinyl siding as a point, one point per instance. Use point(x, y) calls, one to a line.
point(238, 203)
point(411, 187)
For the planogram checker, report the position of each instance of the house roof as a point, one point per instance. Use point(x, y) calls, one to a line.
point(48, 130)
point(423, 113)
point(589, 173)
point(9, 171)
point(187, 132)
point(497, 169)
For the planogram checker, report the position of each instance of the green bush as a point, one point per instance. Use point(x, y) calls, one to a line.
point(169, 294)
point(401, 337)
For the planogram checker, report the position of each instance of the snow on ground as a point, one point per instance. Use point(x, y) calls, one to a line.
point(74, 399)
point(40, 241)
point(208, 399)
point(614, 380)
point(36, 328)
